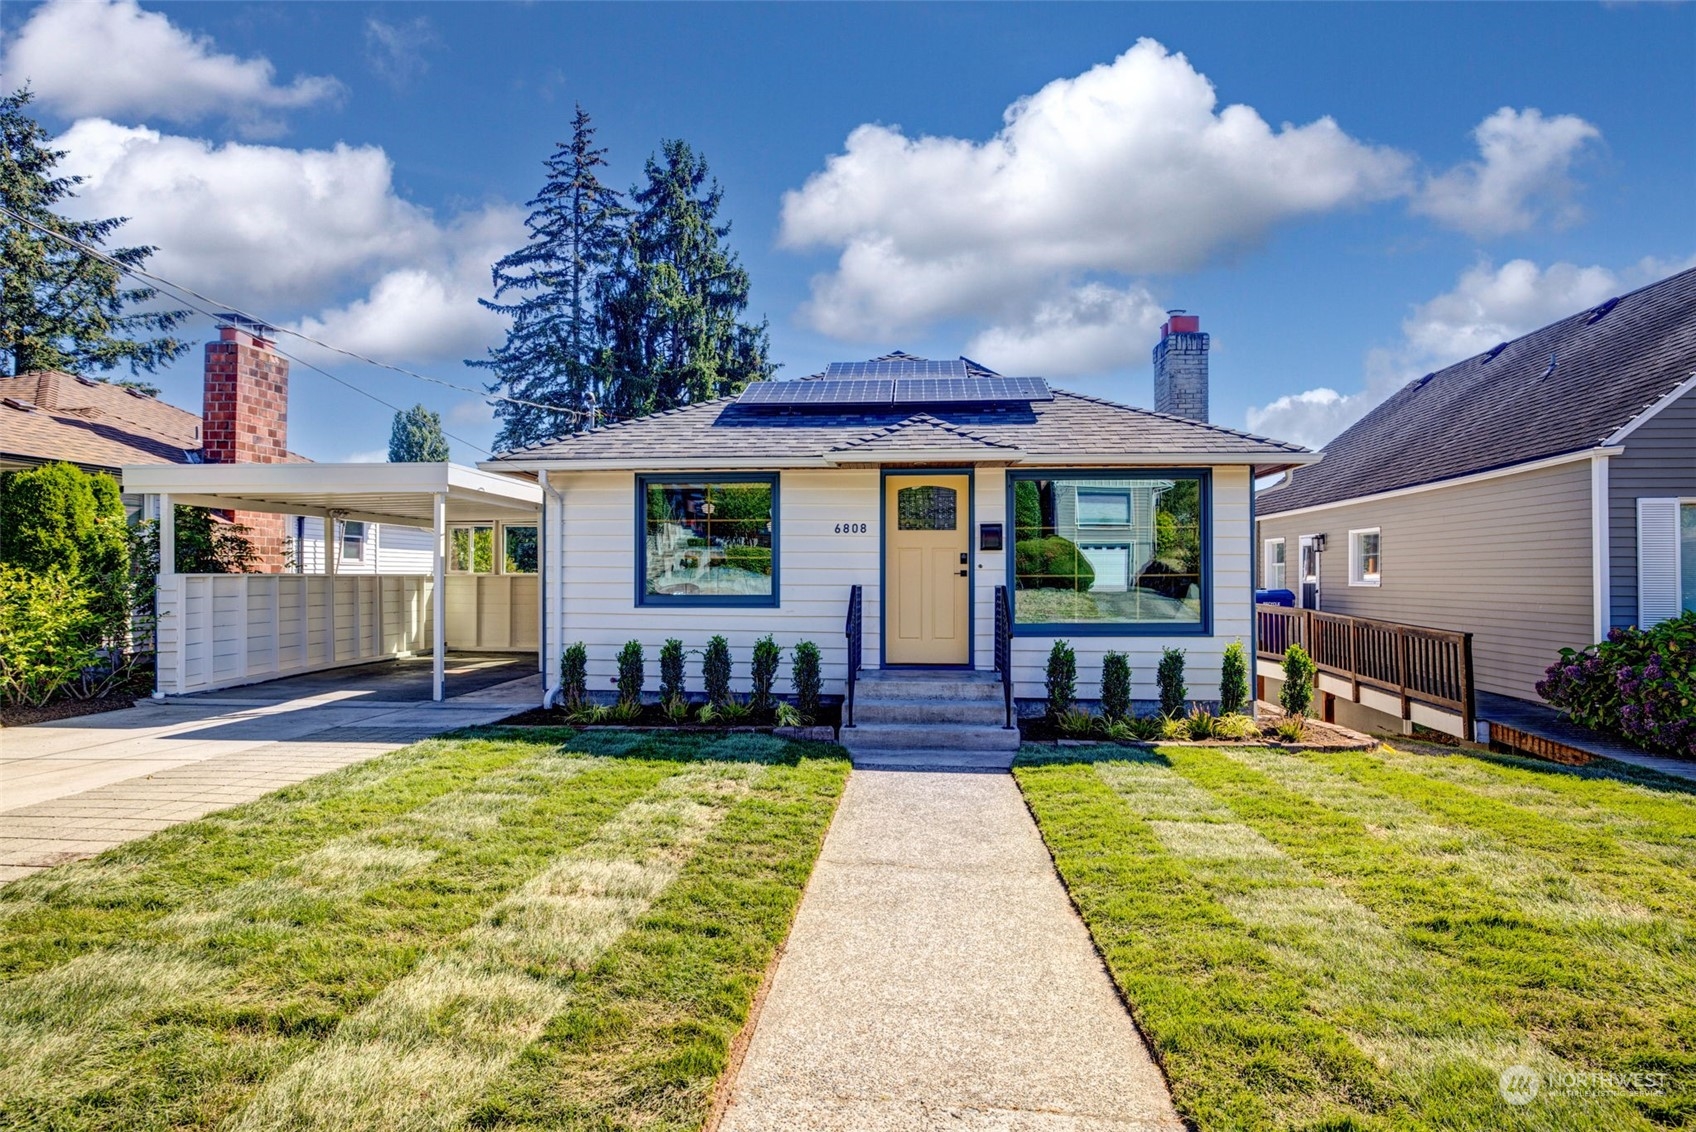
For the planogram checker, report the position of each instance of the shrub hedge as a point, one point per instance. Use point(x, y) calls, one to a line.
point(1639, 683)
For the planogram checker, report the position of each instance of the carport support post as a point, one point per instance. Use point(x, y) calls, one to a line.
point(439, 595)
point(167, 565)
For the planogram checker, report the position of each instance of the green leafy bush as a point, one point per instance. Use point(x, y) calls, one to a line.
point(1233, 679)
point(1200, 724)
point(574, 678)
point(1299, 675)
point(1062, 679)
point(1174, 727)
point(1115, 686)
point(788, 715)
point(671, 670)
point(1291, 729)
point(47, 633)
point(751, 559)
point(59, 516)
point(1052, 563)
point(806, 678)
point(205, 546)
point(630, 678)
point(1639, 683)
point(1076, 723)
point(715, 672)
point(767, 656)
point(1170, 677)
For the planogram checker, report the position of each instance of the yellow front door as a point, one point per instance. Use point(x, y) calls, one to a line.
point(926, 574)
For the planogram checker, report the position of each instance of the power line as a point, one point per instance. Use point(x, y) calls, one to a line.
point(179, 290)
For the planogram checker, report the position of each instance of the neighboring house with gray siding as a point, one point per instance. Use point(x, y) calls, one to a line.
point(1535, 495)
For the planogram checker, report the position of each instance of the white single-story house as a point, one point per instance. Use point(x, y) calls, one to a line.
point(932, 486)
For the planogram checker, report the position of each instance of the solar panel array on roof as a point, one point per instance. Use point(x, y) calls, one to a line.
point(899, 367)
point(910, 391)
point(970, 390)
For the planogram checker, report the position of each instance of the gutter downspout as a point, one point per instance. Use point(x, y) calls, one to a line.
point(1254, 566)
point(553, 503)
point(1601, 565)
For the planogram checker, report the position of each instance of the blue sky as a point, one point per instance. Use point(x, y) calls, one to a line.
point(1348, 195)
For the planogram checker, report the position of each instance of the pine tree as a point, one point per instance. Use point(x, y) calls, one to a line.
point(416, 436)
point(670, 309)
point(547, 288)
point(61, 308)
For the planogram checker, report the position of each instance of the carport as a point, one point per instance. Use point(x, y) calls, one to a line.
point(220, 630)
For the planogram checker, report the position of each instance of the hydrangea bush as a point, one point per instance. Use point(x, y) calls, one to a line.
point(1639, 684)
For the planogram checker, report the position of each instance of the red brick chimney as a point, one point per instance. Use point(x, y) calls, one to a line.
point(246, 421)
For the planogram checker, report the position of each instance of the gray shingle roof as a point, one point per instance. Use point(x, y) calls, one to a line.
point(1506, 407)
point(1070, 425)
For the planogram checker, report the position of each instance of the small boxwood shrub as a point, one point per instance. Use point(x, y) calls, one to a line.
point(1299, 675)
point(574, 677)
point(1233, 680)
point(1115, 686)
point(767, 656)
point(1062, 680)
point(1170, 677)
point(1639, 683)
point(630, 676)
point(715, 672)
point(671, 671)
point(806, 677)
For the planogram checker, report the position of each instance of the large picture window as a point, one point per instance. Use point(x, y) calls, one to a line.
point(1110, 552)
point(707, 540)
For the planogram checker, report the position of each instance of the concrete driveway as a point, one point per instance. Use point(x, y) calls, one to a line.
point(71, 788)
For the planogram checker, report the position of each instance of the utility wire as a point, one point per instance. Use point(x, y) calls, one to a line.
point(178, 290)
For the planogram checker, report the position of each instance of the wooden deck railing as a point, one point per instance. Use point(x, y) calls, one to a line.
point(1412, 662)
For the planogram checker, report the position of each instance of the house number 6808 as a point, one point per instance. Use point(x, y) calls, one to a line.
point(850, 528)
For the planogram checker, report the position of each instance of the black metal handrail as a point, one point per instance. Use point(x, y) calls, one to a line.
point(853, 630)
point(1004, 647)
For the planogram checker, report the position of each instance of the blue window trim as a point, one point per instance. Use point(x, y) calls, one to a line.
point(1203, 628)
point(705, 601)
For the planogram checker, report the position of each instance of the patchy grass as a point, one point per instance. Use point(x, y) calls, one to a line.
point(1353, 940)
point(508, 928)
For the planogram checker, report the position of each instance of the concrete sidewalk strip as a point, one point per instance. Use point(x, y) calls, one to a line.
point(938, 977)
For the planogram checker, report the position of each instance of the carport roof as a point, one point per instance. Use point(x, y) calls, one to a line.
point(374, 493)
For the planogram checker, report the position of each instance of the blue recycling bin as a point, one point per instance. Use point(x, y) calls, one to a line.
point(1285, 598)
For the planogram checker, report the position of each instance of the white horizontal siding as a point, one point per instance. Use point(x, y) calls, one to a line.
point(591, 585)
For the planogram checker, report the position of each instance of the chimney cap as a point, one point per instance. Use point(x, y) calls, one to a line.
point(262, 334)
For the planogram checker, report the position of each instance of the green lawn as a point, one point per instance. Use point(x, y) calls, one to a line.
point(509, 930)
point(1367, 940)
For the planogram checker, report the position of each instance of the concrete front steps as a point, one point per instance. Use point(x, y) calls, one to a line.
point(930, 720)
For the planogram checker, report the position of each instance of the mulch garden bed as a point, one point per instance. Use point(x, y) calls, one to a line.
point(653, 718)
point(1318, 736)
point(21, 716)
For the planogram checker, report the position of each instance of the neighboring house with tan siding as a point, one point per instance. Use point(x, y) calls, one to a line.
point(1535, 495)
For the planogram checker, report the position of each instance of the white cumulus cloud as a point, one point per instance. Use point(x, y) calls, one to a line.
point(1487, 305)
point(1523, 173)
point(110, 58)
point(1083, 330)
point(278, 230)
point(1131, 167)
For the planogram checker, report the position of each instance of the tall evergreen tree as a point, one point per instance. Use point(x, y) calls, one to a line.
point(416, 437)
point(671, 308)
point(547, 288)
point(61, 308)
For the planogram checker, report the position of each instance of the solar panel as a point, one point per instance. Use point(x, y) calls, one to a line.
point(970, 390)
point(818, 393)
point(900, 367)
point(875, 392)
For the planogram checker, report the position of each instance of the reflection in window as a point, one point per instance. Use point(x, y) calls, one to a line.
point(1687, 555)
point(520, 549)
point(1119, 548)
point(471, 549)
point(926, 508)
point(708, 539)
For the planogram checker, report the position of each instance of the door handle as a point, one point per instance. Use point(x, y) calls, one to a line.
point(963, 573)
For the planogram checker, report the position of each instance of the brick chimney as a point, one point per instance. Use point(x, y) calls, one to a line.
point(246, 421)
point(1180, 367)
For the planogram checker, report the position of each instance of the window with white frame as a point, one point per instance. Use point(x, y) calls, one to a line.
point(1365, 560)
point(353, 541)
point(471, 549)
point(1273, 576)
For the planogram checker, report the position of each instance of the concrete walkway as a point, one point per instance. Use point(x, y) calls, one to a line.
point(71, 788)
point(937, 977)
point(1545, 722)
